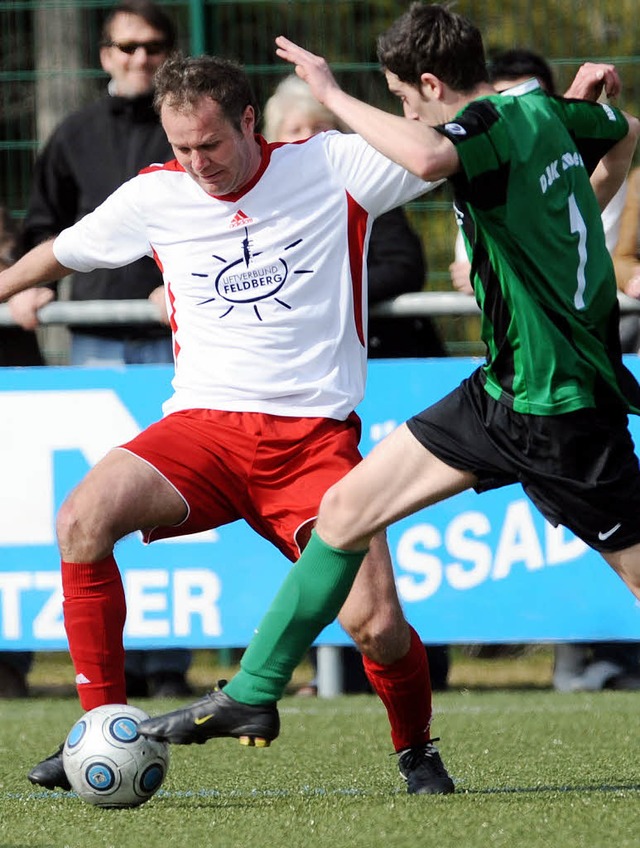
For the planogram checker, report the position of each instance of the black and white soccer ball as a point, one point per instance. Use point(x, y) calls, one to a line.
point(108, 763)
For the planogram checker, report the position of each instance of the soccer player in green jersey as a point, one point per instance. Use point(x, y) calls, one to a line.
point(548, 408)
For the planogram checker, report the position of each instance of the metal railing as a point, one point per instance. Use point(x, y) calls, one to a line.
point(94, 312)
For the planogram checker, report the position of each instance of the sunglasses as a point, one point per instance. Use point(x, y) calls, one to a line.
point(152, 48)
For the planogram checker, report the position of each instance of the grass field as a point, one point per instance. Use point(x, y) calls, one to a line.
point(532, 768)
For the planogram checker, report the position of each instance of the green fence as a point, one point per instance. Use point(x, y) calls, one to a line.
point(49, 62)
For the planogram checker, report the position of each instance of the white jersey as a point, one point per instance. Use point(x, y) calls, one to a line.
point(266, 288)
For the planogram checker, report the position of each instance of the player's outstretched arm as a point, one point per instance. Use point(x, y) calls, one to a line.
point(413, 145)
point(313, 69)
point(613, 168)
point(37, 266)
point(592, 79)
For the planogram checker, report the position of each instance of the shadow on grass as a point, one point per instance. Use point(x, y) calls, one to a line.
point(517, 790)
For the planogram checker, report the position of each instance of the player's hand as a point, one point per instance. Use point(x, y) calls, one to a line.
point(158, 299)
point(460, 276)
point(309, 67)
point(24, 306)
point(592, 80)
point(632, 288)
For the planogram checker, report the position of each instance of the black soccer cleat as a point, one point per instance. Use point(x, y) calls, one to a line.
point(214, 716)
point(50, 773)
point(424, 770)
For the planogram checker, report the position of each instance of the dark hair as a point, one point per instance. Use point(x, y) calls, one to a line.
point(181, 81)
point(519, 62)
point(149, 12)
point(429, 38)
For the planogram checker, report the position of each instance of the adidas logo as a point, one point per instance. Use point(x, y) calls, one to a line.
point(240, 220)
point(81, 678)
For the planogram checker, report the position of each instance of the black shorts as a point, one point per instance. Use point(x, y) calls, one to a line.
point(580, 468)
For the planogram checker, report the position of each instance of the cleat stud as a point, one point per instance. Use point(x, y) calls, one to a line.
point(261, 743)
point(245, 740)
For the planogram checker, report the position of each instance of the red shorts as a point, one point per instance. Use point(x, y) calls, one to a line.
point(270, 470)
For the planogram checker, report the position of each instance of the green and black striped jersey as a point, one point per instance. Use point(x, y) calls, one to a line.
point(542, 274)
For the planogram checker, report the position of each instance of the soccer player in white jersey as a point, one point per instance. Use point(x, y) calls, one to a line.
point(263, 253)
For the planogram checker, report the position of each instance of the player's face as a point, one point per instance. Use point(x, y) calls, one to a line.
point(219, 157)
point(299, 124)
point(132, 73)
point(415, 104)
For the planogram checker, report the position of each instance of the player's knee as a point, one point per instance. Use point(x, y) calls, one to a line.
point(337, 519)
point(380, 635)
point(626, 564)
point(78, 531)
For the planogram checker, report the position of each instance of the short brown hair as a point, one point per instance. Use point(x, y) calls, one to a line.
point(182, 81)
point(430, 38)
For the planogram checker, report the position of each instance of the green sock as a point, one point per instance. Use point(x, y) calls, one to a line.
point(310, 598)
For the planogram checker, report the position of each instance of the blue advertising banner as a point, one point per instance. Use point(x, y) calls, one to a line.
point(474, 569)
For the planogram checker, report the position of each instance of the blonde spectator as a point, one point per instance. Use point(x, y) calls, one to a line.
point(292, 113)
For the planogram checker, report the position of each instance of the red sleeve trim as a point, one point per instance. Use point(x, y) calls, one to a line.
point(356, 229)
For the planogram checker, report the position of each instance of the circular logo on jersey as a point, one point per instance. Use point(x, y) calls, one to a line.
point(124, 729)
point(241, 283)
point(455, 129)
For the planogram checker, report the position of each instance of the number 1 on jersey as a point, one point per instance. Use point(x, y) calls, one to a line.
point(578, 226)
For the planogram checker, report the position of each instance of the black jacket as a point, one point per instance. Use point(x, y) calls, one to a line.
point(396, 265)
point(90, 154)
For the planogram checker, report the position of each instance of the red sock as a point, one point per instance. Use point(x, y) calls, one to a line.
point(94, 614)
point(404, 687)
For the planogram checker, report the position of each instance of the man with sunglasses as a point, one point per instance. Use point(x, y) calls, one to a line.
point(90, 154)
